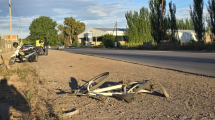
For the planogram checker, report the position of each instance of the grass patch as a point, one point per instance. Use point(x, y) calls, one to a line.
point(30, 95)
point(1, 69)
point(26, 62)
point(194, 46)
point(22, 73)
point(40, 108)
point(43, 81)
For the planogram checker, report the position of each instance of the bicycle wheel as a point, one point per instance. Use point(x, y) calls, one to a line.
point(95, 82)
point(36, 57)
point(151, 83)
point(12, 60)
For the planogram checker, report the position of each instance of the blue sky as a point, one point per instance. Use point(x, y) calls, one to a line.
point(94, 13)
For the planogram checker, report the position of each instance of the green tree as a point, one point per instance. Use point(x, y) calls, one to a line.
point(71, 29)
point(187, 24)
point(211, 19)
point(191, 25)
point(173, 22)
point(108, 40)
point(43, 28)
point(207, 30)
point(181, 24)
point(155, 15)
point(196, 14)
point(177, 23)
point(62, 39)
point(138, 29)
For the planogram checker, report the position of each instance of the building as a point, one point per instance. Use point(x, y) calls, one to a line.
point(209, 38)
point(9, 42)
point(186, 35)
point(14, 38)
point(93, 36)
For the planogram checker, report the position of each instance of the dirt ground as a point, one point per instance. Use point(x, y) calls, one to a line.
point(191, 96)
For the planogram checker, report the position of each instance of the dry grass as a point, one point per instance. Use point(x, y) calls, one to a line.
point(40, 108)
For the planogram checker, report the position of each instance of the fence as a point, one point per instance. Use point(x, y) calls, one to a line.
point(6, 46)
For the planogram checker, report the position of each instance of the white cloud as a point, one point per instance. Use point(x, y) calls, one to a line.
point(62, 11)
point(185, 13)
point(98, 12)
point(93, 13)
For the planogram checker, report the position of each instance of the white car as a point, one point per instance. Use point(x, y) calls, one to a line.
point(27, 47)
point(60, 46)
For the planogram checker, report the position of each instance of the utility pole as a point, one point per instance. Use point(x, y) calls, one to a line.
point(10, 20)
point(96, 39)
point(116, 29)
point(115, 42)
point(161, 21)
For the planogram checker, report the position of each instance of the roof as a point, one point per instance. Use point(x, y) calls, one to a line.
point(183, 31)
point(13, 36)
point(110, 29)
point(186, 31)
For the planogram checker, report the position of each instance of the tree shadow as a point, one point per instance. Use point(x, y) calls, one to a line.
point(10, 97)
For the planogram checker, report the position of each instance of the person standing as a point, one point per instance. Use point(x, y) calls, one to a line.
point(38, 45)
point(41, 47)
point(46, 45)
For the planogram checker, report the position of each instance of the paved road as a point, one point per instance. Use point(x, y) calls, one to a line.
point(192, 62)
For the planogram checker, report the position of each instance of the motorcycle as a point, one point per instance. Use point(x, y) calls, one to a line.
point(30, 55)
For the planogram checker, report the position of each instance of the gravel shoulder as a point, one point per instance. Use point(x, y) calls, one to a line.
point(192, 96)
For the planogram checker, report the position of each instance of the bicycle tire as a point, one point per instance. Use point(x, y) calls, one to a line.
point(96, 82)
point(12, 60)
point(149, 83)
point(36, 57)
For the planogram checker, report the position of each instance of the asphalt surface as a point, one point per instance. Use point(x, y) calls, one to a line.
point(201, 63)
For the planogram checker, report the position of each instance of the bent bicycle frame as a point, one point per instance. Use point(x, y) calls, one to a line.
point(105, 91)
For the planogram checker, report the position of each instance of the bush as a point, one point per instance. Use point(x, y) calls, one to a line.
point(75, 43)
point(192, 41)
point(198, 46)
point(108, 40)
point(108, 43)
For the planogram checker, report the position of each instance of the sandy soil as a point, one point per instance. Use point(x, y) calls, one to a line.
point(192, 96)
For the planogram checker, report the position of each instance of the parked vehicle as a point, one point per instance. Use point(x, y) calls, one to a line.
point(60, 46)
point(30, 55)
point(27, 47)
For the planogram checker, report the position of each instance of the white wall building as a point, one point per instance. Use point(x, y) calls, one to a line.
point(186, 35)
point(93, 36)
point(96, 34)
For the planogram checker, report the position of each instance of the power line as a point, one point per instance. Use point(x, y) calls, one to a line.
point(20, 23)
point(15, 12)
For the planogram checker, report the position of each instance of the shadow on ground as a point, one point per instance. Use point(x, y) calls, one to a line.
point(10, 97)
